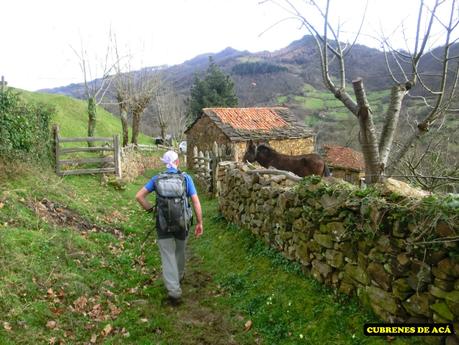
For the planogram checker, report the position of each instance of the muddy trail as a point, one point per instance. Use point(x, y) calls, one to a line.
point(208, 325)
point(198, 317)
point(59, 215)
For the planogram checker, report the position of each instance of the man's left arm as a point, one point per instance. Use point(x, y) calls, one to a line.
point(199, 228)
point(191, 192)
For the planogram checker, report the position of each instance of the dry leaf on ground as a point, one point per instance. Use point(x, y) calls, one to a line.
point(7, 327)
point(51, 324)
point(107, 330)
point(80, 303)
point(248, 325)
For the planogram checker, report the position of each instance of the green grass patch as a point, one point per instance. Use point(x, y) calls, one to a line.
point(281, 99)
point(72, 116)
point(309, 102)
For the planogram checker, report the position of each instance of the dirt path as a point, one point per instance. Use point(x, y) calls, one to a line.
point(199, 314)
point(199, 318)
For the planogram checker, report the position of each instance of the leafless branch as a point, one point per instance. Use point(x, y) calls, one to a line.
point(359, 30)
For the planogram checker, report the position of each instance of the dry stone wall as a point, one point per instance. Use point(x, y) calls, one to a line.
point(135, 162)
point(394, 252)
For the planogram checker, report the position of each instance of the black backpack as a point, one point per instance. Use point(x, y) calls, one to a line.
point(173, 210)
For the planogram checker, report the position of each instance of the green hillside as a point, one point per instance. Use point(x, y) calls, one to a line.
point(72, 118)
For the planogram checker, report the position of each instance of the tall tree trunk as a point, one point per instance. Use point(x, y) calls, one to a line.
point(135, 126)
point(398, 92)
point(368, 140)
point(91, 118)
point(124, 123)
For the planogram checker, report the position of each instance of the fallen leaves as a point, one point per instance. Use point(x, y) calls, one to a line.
point(80, 304)
point(97, 309)
point(115, 217)
point(114, 310)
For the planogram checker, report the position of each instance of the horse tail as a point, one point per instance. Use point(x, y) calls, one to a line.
point(326, 172)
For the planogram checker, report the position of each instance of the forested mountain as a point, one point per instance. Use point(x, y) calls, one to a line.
point(290, 76)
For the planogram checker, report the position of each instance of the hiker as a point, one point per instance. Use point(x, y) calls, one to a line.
point(173, 219)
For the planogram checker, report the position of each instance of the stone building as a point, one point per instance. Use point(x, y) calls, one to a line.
point(234, 127)
point(345, 163)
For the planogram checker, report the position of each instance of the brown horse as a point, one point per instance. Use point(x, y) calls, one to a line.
point(303, 165)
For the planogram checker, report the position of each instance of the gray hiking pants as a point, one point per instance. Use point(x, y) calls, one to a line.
point(172, 253)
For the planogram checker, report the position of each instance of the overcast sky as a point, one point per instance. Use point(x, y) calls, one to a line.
point(38, 36)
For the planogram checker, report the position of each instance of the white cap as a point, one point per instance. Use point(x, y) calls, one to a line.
point(169, 158)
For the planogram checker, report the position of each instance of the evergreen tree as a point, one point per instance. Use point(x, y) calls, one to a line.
point(216, 89)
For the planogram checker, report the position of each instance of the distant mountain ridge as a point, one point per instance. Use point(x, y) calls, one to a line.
point(297, 68)
point(300, 58)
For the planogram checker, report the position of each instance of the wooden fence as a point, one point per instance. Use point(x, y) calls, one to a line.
point(205, 163)
point(108, 164)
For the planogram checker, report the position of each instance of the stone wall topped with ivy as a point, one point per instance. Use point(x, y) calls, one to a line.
point(399, 254)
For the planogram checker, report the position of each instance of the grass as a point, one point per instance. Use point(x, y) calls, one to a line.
point(310, 103)
point(281, 99)
point(72, 118)
point(73, 269)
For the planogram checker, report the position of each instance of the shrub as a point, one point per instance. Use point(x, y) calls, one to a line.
point(24, 128)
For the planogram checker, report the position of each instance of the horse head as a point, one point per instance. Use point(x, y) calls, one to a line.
point(251, 152)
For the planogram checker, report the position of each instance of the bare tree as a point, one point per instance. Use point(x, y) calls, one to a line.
point(96, 83)
point(122, 86)
point(403, 67)
point(169, 111)
point(178, 121)
point(144, 85)
point(431, 163)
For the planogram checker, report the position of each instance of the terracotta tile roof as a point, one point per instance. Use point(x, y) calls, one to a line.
point(344, 157)
point(253, 123)
point(252, 119)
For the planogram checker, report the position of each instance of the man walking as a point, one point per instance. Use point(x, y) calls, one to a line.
point(173, 214)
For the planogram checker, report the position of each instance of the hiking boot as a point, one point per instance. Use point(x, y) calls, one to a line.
point(173, 301)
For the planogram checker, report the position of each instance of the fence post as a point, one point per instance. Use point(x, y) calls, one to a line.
point(3, 84)
point(195, 158)
point(56, 148)
point(201, 165)
point(213, 167)
point(207, 165)
point(117, 156)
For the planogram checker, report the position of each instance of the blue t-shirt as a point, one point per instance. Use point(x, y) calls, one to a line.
point(190, 188)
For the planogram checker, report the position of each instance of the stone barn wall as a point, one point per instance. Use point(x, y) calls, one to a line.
point(203, 134)
point(298, 146)
point(390, 250)
point(348, 175)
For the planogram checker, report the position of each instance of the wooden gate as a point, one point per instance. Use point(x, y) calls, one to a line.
point(110, 163)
